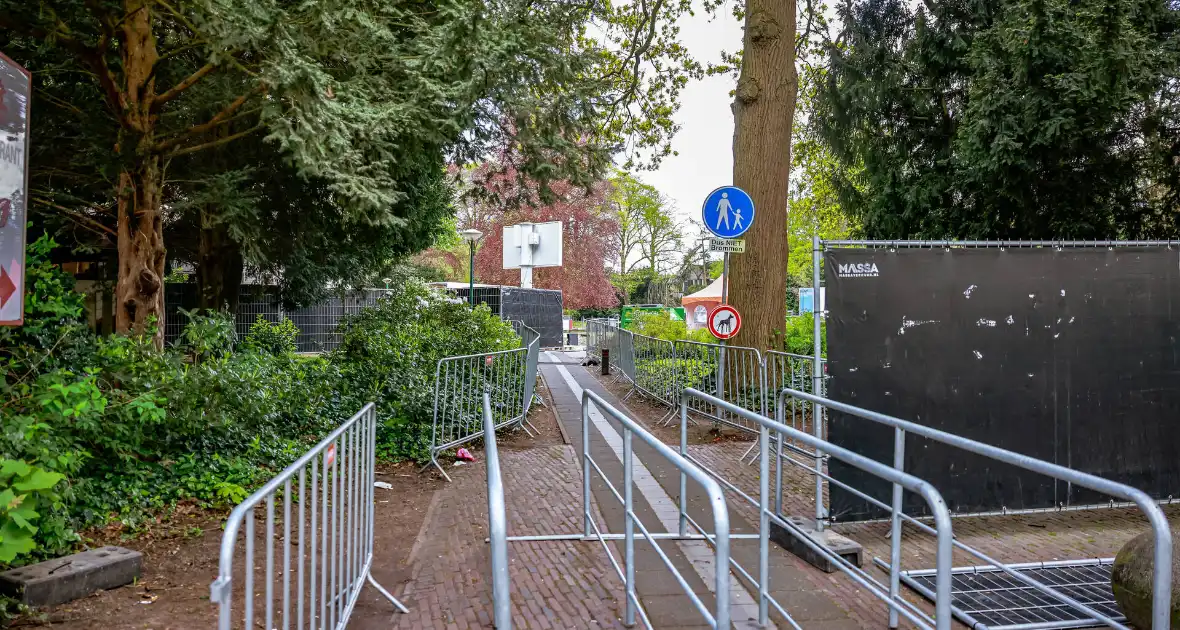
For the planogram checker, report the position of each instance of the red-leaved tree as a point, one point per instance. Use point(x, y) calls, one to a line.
point(590, 231)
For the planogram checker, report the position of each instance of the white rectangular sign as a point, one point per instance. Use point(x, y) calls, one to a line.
point(15, 87)
point(727, 245)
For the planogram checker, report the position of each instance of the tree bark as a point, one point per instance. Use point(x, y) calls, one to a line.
point(764, 112)
point(139, 294)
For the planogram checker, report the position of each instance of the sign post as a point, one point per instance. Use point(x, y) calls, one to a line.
point(728, 212)
point(15, 89)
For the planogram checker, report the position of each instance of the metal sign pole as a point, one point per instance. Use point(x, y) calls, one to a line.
point(817, 380)
point(721, 352)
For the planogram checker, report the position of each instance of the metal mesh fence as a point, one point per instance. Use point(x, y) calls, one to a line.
point(318, 324)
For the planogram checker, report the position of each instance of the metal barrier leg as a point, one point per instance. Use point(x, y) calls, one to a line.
point(434, 462)
point(895, 529)
point(629, 525)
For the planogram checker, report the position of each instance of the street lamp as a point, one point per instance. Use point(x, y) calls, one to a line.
point(471, 235)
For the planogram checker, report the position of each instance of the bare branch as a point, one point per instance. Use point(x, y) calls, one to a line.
point(188, 82)
point(221, 117)
point(216, 143)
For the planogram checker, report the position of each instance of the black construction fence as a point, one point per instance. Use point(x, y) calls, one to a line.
point(1069, 354)
point(539, 309)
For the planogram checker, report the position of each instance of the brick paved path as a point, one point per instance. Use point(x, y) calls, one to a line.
point(555, 585)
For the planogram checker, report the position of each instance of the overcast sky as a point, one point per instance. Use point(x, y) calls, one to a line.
point(705, 141)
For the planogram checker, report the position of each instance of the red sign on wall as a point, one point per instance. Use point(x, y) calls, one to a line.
point(15, 89)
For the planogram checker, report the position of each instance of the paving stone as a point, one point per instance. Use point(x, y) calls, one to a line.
point(72, 577)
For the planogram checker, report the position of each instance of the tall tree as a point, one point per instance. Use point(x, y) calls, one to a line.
point(590, 229)
point(763, 113)
point(1007, 119)
point(342, 90)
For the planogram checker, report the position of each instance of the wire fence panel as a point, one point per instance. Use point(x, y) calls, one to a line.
point(655, 367)
point(459, 386)
point(731, 373)
point(509, 377)
point(768, 514)
point(313, 556)
point(793, 371)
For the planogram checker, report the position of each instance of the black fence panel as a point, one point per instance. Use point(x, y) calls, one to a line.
point(1065, 354)
point(539, 309)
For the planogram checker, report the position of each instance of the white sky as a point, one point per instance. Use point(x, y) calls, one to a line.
point(705, 140)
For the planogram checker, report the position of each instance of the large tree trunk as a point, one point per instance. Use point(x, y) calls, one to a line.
point(139, 292)
point(763, 112)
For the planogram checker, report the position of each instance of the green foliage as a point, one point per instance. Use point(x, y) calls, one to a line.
point(132, 430)
point(799, 335)
point(25, 489)
point(389, 354)
point(272, 337)
point(1021, 119)
point(660, 326)
point(209, 335)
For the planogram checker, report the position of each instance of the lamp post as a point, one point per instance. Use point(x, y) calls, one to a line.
point(471, 235)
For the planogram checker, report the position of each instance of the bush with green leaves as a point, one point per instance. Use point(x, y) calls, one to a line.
point(272, 337)
point(390, 352)
point(124, 429)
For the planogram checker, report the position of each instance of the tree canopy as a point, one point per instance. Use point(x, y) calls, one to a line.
point(322, 125)
point(1012, 119)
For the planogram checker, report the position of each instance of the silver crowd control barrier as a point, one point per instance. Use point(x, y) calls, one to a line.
point(719, 538)
point(497, 523)
point(318, 543)
point(509, 376)
point(732, 373)
point(718, 617)
point(942, 618)
point(1161, 559)
point(654, 365)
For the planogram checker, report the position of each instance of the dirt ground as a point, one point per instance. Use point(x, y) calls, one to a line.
point(181, 553)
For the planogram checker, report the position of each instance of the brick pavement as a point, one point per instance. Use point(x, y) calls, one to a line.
point(554, 584)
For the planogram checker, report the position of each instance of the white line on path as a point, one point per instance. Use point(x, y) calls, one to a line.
point(743, 608)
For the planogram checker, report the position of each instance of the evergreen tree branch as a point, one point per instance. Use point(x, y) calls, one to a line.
point(221, 117)
point(188, 82)
point(79, 218)
point(216, 143)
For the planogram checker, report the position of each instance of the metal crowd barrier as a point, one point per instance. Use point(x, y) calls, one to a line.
point(719, 616)
point(732, 373)
point(942, 530)
point(1162, 557)
point(497, 523)
point(509, 376)
point(326, 541)
point(654, 364)
point(719, 538)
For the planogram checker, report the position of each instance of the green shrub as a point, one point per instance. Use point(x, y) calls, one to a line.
point(124, 429)
point(799, 335)
point(390, 352)
point(272, 338)
point(207, 335)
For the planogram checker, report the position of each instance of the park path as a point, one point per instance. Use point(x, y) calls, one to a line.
point(571, 584)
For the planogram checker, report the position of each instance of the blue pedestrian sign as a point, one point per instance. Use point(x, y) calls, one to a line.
point(728, 212)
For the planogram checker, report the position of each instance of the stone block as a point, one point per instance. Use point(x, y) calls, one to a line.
point(71, 577)
point(841, 545)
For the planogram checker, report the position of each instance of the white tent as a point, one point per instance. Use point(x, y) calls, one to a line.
point(697, 306)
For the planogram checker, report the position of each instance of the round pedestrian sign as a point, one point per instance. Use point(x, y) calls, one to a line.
point(728, 212)
point(725, 322)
